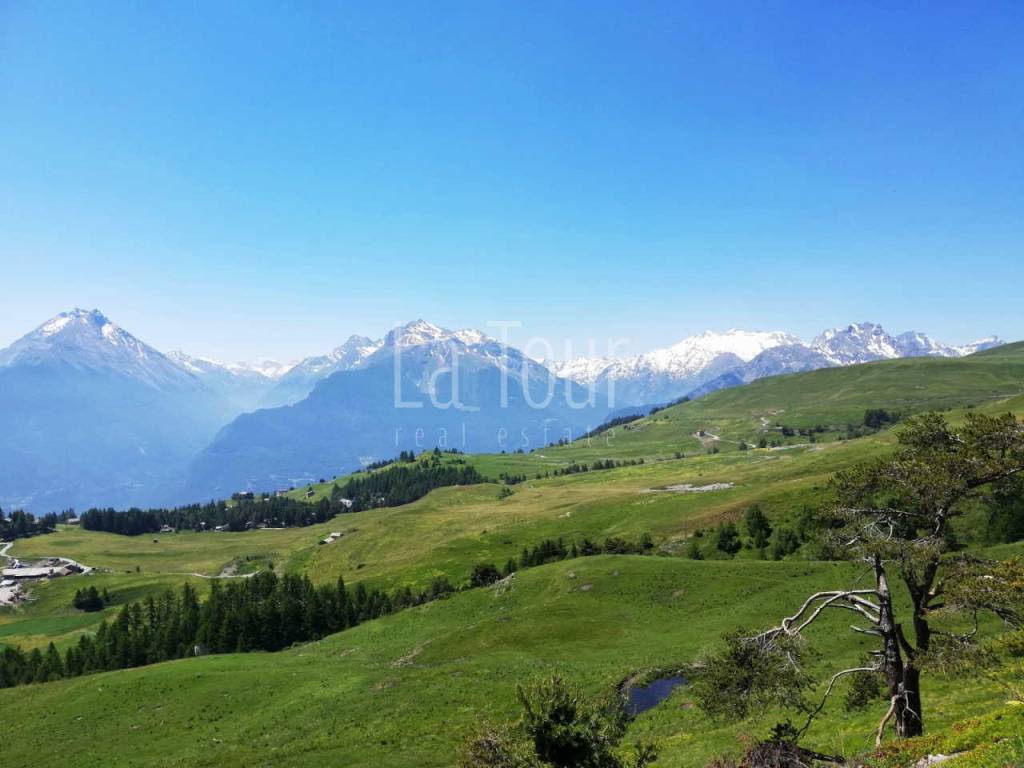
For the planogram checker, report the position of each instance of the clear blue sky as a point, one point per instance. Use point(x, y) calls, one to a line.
point(253, 179)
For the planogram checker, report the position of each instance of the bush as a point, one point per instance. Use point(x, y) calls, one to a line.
point(561, 727)
point(484, 574)
point(90, 600)
point(728, 539)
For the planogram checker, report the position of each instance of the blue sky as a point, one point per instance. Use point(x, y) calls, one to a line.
point(249, 179)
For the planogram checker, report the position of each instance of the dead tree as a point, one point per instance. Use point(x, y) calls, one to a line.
point(894, 515)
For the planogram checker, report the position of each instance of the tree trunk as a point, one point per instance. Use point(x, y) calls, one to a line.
point(909, 722)
point(893, 668)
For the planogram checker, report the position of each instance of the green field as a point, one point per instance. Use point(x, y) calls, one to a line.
point(403, 690)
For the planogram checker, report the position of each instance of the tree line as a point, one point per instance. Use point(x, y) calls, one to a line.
point(242, 513)
point(264, 613)
point(404, 483)
point(20, 524)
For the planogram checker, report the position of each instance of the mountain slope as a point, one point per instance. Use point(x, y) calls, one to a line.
point(423, 386)
point(90, 414)
point(300, 379)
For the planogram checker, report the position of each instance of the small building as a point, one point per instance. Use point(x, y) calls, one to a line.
point(221, 528)
point(43, 572)
point(346, 503)
point(310, 493)
point(166, 529)
point(245, 495)
point(73, 521)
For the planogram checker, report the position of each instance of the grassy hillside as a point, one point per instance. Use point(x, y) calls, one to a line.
point(375, 695)
point(50, 617)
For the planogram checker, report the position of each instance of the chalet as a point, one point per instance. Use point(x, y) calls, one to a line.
point(221, 528)
point(166, 529)
point(245, 495)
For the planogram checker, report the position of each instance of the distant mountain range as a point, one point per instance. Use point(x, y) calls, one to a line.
point(709, 361)
point(91, 415)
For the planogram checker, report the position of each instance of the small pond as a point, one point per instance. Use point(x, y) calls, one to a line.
point(642, 697)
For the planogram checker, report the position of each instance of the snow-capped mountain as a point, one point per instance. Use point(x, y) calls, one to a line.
point(665, 374)
point(980, 345)
point(87, 340)
point(866, 342)
point(298, 381)
point(685, 358)
point(420, 386)
point(92, 415)
point(856, 343)
point(270, 369)
point(360, 352)
point(914, 344)
point(709, 361)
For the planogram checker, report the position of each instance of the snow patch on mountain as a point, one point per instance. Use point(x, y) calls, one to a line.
point(695, 353)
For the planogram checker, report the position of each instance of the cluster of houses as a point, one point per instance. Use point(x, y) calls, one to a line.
point(18, 572)
point(51, 567)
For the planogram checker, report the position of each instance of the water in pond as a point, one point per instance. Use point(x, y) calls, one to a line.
point(642, 698)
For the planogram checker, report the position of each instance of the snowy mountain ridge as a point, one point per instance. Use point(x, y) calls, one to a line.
point(710, 360)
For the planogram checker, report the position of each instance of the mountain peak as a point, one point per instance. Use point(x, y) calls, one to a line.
point(87, 339)
point(82, 317)
point(414, 333)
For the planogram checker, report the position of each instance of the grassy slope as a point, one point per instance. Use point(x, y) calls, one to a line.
point(375, 695)
point(50, 617)
point(449, 530)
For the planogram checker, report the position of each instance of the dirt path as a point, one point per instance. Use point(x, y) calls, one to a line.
point(207, 576)
point(688, 488)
